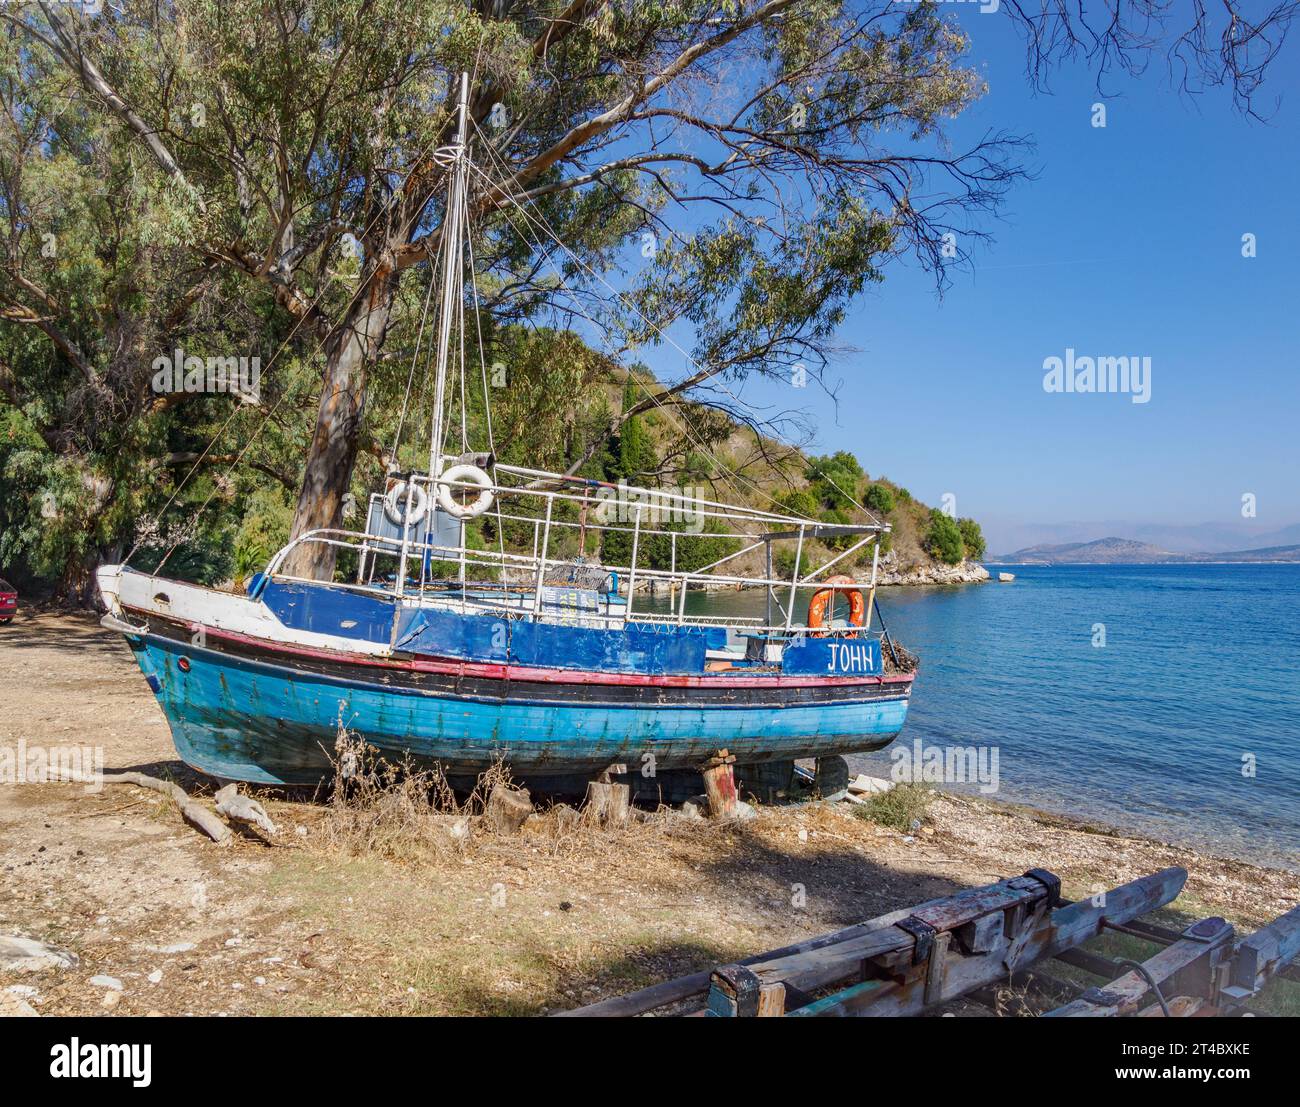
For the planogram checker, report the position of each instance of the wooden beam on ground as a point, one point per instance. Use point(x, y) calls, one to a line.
point(1031, 934)
point(895, 952)
point(697, 984)
point(1197, 953)
point(1180, 1007)
point(685, 987)
point(1264, 954)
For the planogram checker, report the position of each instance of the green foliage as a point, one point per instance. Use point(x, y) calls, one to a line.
point(282, 135)
point(838, 517)
point(800, 503)
point(634, 457)
point(943, 539)
point(784, 563)
point(904, 807)
point(972, 538)
point(879, 499)
point(836, 478)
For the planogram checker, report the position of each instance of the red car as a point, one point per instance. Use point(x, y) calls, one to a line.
point(8, 602)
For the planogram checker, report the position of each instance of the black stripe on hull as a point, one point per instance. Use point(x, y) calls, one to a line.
point(492, 690)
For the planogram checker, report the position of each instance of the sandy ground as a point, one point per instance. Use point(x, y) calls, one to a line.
point(543, 921)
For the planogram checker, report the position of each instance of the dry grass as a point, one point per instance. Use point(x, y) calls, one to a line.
point(398, 811)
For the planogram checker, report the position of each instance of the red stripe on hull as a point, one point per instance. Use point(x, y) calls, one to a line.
point(499, 671)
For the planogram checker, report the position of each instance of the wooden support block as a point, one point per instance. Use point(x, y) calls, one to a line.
point(720, 785)
point(981, 935)
point(771, 1001)
point(935, 968)
point(507, 808)
point(1267, 952)
point(1180, 1007)
point(734, 993)
point(608, 804)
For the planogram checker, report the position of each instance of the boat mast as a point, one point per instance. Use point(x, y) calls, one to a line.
point(452, 272)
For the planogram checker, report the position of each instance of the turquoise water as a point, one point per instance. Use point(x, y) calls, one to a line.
point(1200, 668)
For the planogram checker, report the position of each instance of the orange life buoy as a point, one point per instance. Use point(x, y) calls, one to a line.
point(825, 597)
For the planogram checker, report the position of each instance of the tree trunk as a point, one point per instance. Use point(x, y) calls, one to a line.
point(333, 450)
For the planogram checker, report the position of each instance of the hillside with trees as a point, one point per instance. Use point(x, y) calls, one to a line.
point(243, 180)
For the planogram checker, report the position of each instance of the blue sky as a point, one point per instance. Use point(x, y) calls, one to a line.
point(1128, 242)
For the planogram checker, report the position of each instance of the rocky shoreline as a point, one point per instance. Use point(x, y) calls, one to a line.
point(889, 574)
point(964, 572)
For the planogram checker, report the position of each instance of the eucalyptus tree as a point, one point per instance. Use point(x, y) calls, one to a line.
point(94, 284)
point(768, 156)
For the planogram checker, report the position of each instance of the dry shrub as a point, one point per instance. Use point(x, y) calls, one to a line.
point(904, 807)
point(398, 810)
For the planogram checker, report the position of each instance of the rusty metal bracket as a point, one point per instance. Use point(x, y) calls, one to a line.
point(1207, 930)
point(924, 934)
point(1103, 998)
point(1051, 882)
point(743, 986)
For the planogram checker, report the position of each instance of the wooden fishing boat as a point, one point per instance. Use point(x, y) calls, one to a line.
point(447, 653)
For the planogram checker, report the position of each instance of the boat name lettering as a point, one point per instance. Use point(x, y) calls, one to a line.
point(850, 657)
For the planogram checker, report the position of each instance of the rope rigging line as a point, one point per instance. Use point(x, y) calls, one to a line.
point(540, 220)
point(429, 150)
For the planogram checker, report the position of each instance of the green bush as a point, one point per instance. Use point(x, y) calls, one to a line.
point(901, 808)
point(880, 499)
point(799, 502)
point(943, 539)
point(783, 563)
point(972, 538)
point(835, 479)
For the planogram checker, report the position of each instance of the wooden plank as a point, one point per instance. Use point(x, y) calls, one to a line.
point(847, 1003)
point(685, 987)
point(1043, 935)
point(1266, 952)
point(1180, 1007)
point(1122, 996)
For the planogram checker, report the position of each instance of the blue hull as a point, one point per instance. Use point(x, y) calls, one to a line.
point(270, 723)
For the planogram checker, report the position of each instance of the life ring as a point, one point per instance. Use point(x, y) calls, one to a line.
point(465, 474)
point(395, 504)
point(822, 600)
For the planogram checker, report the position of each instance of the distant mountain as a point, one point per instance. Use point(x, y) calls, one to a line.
point(1267, 553)
point(1209, 537)
point(1104, 551)
point(1128, 551)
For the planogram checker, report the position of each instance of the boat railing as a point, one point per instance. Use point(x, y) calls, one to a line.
point(413, 562)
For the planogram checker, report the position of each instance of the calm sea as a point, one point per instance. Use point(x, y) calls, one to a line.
point(1198, 678)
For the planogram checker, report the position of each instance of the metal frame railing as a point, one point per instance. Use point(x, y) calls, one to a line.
point(751, 528)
